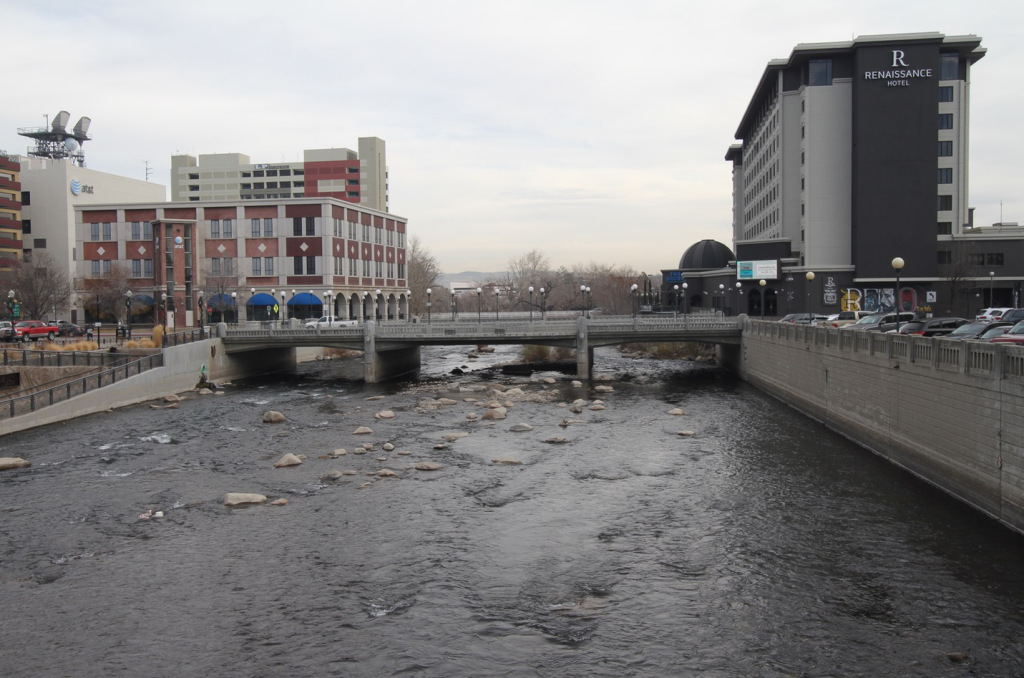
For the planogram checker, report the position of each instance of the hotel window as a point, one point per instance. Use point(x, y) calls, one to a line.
point(819, 72)
point(401, 239)
point(215, 228)
point(215, 266)
point(257, 266)
point(945, 203)
point(377, 235)
point(227, 228)
point(976, 259)
point(391, 269)
point(310, 265)
point(106, 266)
point(366, 268)
point(268, 265)
point(945, 175)
point(949, 66)
point(106, 230)
point(945, 149)
point(946, 93)
point(255, 228)
point(401, 271)
point(136, 268)
point(945, 121)
point(95, 269)
point(297, 226)
point(353, 231)
point(379, 268)
point(994, 259)
point(945, 257)
point(310, 225)
point(353, 267)
point(366, 233)
point(268, 228)
point(945, 228)
point(391, 237)
point(147, 268)
point(136, 230)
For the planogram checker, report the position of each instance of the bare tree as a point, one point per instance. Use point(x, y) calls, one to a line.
point(524, 271)
point(105, 296)
point(423, 271)
point(217, 289)
point(41, 286)
point(957, 271)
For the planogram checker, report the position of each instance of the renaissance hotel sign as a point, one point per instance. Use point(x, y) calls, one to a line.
point(899, 73)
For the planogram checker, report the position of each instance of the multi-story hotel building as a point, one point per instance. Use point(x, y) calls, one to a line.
point(10, 212)
point(855, 153)
point(339, 173)
point(245, 259)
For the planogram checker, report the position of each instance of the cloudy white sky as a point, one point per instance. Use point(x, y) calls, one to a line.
point(592, 130)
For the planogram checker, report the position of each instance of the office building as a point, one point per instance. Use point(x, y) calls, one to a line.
point(339, 173)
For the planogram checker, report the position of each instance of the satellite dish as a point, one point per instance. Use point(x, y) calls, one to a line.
point(71, 145)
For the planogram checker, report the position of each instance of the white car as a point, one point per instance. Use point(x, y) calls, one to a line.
point(329, 321)
point(991, 314)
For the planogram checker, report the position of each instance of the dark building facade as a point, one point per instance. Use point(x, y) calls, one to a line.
point(851, 155)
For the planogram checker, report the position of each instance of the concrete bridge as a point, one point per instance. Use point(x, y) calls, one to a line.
point(393, 348)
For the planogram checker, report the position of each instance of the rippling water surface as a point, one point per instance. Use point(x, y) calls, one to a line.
point(762, 545)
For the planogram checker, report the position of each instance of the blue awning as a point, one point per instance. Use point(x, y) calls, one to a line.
point(305, 299)
point(220, 301)
point(261, 299)
point(143, 299)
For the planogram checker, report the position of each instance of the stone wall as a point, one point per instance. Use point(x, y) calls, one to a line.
point(950, 412)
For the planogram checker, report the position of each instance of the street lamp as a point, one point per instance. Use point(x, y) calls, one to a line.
point(455, 304)
point(991, 278)
point(675, 290)
point(366, 296)
point(810, 279)
point(128, 313)
point(497, 296)
point(327, 301)
point(763, 283)
point(478, 293)
point(544, 303)
point(897, 264)
point(163, 298)
point(429, 292)
point(234, 305)
point(531, 303)
point(685, 300)
point(284, 308)
point(721, 289)
point(632, 292)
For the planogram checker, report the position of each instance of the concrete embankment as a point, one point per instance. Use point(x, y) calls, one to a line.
point(182, 370)
point(950, 412)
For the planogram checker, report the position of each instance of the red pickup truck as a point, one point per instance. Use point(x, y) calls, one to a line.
point(33, 329)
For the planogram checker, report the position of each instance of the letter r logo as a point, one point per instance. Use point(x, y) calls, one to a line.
point(897, 58)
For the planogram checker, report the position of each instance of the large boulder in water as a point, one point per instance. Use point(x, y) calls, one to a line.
point(243, 499)
point(273, 417)
point(7, 463)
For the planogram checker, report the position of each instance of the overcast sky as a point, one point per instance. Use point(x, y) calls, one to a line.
point(592, 130)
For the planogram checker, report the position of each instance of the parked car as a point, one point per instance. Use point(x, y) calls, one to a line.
point(803, 318)
point(66, 328)
point(34, 329)
point(329, 321)
point(975, 330)
point(932, 327)
point(998, 331)
point(845, 318)
point(994, 313)
point(1015, 335)
point(1014, 315)
point(883, 322)
point(6, 330)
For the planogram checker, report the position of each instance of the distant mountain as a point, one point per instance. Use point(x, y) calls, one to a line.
point(468, 277)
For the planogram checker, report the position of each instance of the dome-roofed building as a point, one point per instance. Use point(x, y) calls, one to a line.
point(706, 255)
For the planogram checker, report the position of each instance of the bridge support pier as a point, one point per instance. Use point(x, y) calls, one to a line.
point(381, 366)
point(584, 352)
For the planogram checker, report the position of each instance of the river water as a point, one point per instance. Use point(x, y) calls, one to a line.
point(761, 545)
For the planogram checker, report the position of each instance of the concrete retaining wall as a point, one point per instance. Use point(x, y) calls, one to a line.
point(950, 412)
point(181, 372)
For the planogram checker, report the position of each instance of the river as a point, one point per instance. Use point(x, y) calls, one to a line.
point(761, 545)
